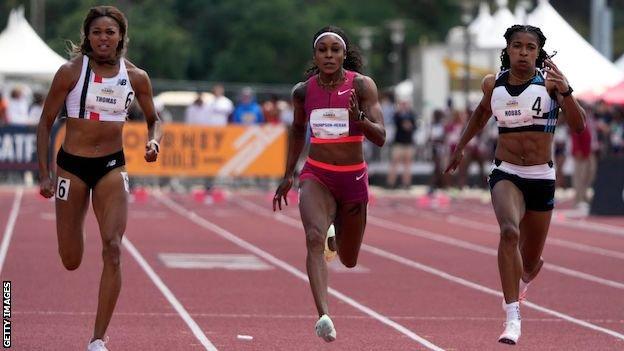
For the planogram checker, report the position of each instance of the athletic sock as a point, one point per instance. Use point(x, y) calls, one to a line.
point(513, 311)
point(523, 285)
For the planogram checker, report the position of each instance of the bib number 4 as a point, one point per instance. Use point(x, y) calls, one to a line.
point(537, 106)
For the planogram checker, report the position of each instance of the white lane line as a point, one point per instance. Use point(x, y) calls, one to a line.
point(595, 227)
point(553, 241)
point(485, 250)
point(410, 263)
point(8, 231)
point(204, 223)
point(186, 317)
point(487, 290)
point(213, 261)
point(589, 225)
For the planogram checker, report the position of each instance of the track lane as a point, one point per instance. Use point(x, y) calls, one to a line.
point(54, 309)
point(492, 276)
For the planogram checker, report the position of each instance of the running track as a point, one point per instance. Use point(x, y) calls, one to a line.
point(427, 280)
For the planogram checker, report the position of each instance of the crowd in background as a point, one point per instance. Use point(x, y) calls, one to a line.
point(410, 138)
point(18, 109)
point(220, 110)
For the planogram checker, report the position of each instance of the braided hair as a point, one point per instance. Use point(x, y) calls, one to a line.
point(518, 28)
point(353, 58)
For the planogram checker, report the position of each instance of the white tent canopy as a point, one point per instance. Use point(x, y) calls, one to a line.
point(488, 37)
point(620, 63)
point(483, 20)
point(586, 69)
point(23, 52)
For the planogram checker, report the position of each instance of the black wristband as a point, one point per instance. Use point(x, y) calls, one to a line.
point(569, 92)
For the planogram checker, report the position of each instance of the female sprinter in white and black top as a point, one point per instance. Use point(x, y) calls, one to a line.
point(525, 98)
point(97, 86)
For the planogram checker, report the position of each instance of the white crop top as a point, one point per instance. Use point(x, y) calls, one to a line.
point(526, 107)
point(97, 98)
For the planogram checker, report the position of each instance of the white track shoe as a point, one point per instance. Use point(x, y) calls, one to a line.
point(325, 328)
point(331, 235)
point(97, 345)
point(511, 334)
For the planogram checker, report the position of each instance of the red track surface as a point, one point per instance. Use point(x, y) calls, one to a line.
point(425, 274)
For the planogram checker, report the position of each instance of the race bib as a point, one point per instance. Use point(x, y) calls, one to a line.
point(62, 188)
point(330, 123)
point(514, 117)
point(106, 98)
point(126, 181)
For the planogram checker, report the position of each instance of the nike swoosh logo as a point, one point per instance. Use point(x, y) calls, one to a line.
point(360, 177)
point(344, 92)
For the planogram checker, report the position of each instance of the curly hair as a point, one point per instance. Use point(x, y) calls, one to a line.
point(353, 58)
point(517, 28)
point(93, 14)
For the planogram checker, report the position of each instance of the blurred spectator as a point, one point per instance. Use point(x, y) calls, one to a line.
point(247, 111)
point(616, 130)
point(603, 111)
point(439, 153)
point(270, 110)
point(583, 163)
point(452, 133)
point(220, 109)
point(592, 125)
point(404, 121)
point(17, 109)
point(196, 112)
point(560, 150)
point(34, 112)
point(287, 113)
point(387, 108)
point(162, 111)
point(3, 110)
point(473, 153)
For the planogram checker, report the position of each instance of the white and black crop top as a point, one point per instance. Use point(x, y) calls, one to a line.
point(97, 98)
point(526, 107)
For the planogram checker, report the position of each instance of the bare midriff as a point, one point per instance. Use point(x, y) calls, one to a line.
point(341, 154)
point(525, 148)
point(92, 138)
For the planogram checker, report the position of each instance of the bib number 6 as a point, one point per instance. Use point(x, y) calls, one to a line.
point(62, 188)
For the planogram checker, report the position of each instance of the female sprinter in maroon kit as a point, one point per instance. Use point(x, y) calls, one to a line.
point(97, 86)
point(524, 98)
point(341, 106)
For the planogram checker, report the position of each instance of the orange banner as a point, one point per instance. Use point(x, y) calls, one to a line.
point(197, 151)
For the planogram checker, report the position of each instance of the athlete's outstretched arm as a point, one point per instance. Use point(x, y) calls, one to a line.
point(143, 90)
point(476, 123)
point(60, 88)
point(295, 144)
point(366, 99)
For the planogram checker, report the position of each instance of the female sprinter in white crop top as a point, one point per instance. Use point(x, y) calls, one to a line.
point(97, 86)
point(525, 100)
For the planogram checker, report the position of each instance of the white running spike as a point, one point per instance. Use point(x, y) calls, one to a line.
point(512, 332)
point(325, 328)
